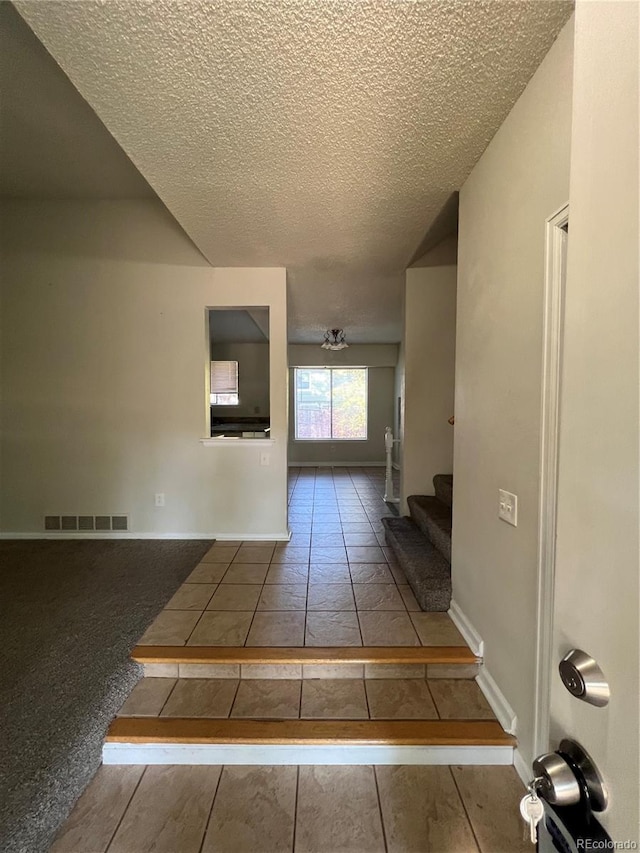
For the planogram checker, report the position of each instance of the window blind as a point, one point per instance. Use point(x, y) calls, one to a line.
point(224, 377)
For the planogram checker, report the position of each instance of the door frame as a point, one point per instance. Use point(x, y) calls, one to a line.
point(556, 234)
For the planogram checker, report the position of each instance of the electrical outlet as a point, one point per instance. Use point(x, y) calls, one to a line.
point(159, 498)
point(508, 507)
point(265, 459)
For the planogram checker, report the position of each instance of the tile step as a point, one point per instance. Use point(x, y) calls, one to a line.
point(157, 740)
point(334, 656)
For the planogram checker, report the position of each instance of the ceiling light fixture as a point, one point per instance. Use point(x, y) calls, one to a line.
point(334, 340)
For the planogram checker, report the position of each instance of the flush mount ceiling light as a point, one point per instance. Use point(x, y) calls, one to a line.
point(334, 340)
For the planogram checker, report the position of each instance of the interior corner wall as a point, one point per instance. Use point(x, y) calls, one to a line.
point(380, 359)
point(429, 370)
point(105, 356)
point(521, 179)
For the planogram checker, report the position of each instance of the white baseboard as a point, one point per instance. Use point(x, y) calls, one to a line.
point(160, 753)
point(337, 464)
point(462, 623)
point(122, 534)
point(247, 537)
point(522, 766)
point(499, 705)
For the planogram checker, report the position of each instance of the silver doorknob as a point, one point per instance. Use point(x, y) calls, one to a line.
point(584, 679)
point(563, 777)
point(556, 781)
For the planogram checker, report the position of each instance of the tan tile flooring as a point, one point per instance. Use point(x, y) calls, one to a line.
point(248, 594)
point(307, 809)
point(321, 698)
point(334, 584)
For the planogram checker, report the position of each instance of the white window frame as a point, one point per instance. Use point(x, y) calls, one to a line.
point(332, 368)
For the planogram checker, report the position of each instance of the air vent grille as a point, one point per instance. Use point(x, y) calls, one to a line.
point(86, 523)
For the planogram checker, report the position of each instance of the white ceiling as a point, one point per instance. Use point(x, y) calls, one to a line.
point(320, 135)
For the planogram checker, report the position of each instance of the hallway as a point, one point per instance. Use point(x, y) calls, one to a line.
point(333, 588)
point(336, 583)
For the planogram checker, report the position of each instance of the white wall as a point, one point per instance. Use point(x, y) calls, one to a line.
point(381, 360)
point(597, 535)
point(521, 179)
point(105, 356)
point(429, 365)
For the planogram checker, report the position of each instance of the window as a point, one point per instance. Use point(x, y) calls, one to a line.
point(224, 383)
point(331, 403)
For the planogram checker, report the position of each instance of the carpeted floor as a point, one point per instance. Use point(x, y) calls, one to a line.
point(70, 612)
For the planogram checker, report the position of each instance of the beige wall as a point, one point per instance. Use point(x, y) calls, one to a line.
point(429, 366)
point(380, 360)
point(597, 535)
point(521, 179)
point(104, 365)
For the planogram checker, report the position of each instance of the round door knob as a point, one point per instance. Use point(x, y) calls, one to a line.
point(558, 784)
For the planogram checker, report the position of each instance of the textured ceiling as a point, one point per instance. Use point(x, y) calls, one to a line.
point(322, 135)
point(52, 144)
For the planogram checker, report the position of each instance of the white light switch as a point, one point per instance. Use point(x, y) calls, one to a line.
point(264, 459)
point(508, 507)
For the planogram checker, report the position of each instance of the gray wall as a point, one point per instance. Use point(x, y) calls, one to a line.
point(253, 378)
point(429, 364)
point(521, 179)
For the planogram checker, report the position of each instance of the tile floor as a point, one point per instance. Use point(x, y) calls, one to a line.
point(320, 698)
point(255, 809)
point(334, 584)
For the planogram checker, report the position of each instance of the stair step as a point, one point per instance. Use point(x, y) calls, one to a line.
point(187, 740)
point(434, 520)
point(407, 732)
point(428, 572)
point(397, 655)
point(443, 485)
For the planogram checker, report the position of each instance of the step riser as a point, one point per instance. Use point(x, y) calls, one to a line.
point(443, 485)
point(310, 671)
point(426, 569)
point(159, 753)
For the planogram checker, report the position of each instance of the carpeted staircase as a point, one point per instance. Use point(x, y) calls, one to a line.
point(422, 544)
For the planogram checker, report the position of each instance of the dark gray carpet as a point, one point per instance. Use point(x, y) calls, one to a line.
point(70, 613)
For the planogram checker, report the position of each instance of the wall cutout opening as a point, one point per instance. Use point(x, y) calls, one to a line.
point(239, 372)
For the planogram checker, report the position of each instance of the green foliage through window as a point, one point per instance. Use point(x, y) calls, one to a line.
point(331, 403)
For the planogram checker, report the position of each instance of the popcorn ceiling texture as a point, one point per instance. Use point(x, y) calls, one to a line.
point(322, 136)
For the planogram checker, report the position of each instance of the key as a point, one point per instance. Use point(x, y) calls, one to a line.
point(532, 812)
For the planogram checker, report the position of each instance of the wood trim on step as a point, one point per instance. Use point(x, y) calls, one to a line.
point(189, 730)
point(451, 655)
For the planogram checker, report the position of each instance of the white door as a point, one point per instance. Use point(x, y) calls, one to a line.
point(596, 559)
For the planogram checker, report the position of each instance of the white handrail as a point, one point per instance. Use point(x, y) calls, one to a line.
point(389, 441)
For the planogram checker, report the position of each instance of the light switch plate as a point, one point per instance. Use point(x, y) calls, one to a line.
point(508, 507)
point(265, 459)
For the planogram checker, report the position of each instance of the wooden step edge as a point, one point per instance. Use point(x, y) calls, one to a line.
point(189, 730)
point(450, 655)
